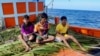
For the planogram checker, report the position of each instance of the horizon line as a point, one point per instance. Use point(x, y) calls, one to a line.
point(75, 9)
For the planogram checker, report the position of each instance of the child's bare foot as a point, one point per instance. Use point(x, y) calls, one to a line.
point(27, 49)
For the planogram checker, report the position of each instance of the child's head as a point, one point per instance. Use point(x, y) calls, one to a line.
point(26, 19)
point(64, 19)
point(44, 17)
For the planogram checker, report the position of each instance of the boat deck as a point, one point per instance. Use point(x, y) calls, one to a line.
point(16, 49)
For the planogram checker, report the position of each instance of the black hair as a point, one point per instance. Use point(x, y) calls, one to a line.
point(25, 26)
point(29, 23)
point(63, 18)
point(44, 15)
point(26, 17)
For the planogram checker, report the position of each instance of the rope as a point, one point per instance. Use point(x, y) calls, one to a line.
point(51, 3)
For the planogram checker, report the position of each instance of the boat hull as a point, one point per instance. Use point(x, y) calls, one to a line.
point(86, 31)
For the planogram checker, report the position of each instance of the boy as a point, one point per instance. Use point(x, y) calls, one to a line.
point(41, 28)
point(62, 35)
point(26, 33)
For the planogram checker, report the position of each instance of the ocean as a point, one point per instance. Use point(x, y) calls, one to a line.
point(82, 18)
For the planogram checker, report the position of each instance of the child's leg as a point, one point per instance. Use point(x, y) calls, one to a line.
point(65, 42)
point(31, 37)
point(23, 42)
point(60, 39)
point(45, 37)
point(73, 39)
point(38, 39)
point(49, 39)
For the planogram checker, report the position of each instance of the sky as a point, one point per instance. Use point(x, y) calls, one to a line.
point(93, 5)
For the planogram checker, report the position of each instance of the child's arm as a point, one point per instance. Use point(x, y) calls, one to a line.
point(23, 31)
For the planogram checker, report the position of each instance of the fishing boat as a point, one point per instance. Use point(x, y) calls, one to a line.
point(12, 12)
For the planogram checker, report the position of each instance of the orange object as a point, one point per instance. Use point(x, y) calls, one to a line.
point(97, 33)
point(10, 22)
point(32, 6)
point(86, 31)
point(21, 7)
point(7, 8)
point(32, 18)
point(40, 6)
point(20, 20)
point(56, 20)
point(69, 52)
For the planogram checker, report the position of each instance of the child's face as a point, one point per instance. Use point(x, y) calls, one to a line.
point(25, 21)
point(64, 21)
point(43, 20)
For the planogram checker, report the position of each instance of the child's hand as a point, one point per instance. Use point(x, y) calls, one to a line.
point(42, 28)
point(29, 34)
point(44, 37)
point(24, 34)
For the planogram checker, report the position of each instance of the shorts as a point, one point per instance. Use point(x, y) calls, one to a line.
point(58, 39)
point(45, 36)
point(27, 38)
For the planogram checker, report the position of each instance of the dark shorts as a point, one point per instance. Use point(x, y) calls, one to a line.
point(45, 36)
point(33, 40)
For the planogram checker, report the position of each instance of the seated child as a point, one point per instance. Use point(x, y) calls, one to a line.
point(26, 32)
point(41, 28)
point(62, 35)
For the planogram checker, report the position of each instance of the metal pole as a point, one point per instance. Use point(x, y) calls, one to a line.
point(46, 9)
point(37, 7)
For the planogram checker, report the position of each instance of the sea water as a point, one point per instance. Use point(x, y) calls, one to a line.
point(82, 18)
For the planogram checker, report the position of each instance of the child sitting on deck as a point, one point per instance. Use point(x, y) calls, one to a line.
point(27, 33)
point(62, 35)
point(41, 28)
